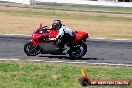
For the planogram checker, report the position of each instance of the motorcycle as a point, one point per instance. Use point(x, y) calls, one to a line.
point(43, 42)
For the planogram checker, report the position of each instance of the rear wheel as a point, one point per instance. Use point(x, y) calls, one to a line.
point(30, 50)
point(78, 50)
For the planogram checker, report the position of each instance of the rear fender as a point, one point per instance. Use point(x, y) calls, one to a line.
point(77, 42)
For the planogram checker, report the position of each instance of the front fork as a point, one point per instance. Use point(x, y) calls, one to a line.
point(34, 42)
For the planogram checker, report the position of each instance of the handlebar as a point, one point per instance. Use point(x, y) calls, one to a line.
point(48, 39)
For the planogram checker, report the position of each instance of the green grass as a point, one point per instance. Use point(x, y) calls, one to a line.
point(30, 12)
point(26, 74)
point(113, 9)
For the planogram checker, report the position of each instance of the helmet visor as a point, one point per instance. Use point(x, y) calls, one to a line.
point(55, 26)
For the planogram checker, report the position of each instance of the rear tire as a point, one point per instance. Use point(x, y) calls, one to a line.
point(76, 52)
point(30, 50)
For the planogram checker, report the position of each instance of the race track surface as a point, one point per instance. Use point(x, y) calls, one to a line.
point(99, 51)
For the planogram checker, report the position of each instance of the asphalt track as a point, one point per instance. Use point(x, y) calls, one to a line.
point(99, 51)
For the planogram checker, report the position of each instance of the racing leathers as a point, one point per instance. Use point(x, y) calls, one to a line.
point(66, 35)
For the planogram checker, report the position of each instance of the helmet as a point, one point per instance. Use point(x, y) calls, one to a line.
point(56, 24)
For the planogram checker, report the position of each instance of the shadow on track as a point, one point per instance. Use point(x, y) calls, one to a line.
point(66, 57)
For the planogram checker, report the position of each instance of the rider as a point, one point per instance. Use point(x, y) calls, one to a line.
point(65, 34)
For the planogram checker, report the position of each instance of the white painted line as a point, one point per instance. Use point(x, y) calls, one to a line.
point(15, 34)
point(3, 59)
point(112, 39)
point(55, 61)
point(36, 60)
point(99, 38)
point(69, 62)
point(15, 59)
point(81, 62)
point(110, 64)
point(9, 59)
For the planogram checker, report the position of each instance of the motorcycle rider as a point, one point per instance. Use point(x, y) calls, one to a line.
point(65, 34)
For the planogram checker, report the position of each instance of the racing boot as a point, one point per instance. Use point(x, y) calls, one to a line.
point(66, 49)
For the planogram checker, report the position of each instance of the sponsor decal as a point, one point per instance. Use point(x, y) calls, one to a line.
point(85, 81)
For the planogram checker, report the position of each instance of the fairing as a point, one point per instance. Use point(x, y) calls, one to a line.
point(38, 39)
point(79, 36)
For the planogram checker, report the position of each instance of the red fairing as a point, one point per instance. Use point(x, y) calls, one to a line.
point(80, 36)
point(36, 36)
point(34, 42)
point(52, 33)
point(40, 25)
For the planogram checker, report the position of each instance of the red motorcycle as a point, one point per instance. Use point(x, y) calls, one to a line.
point(43, 42)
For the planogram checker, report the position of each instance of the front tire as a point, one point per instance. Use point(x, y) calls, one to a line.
point(78, 50)
point(30, 50)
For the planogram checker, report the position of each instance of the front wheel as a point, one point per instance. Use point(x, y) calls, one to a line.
point(78, 50)
point(30, 50)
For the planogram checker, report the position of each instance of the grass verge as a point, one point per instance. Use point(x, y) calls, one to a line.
point(66, 15)
point(24, 21)
point(111, 9)
point(25, 74)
